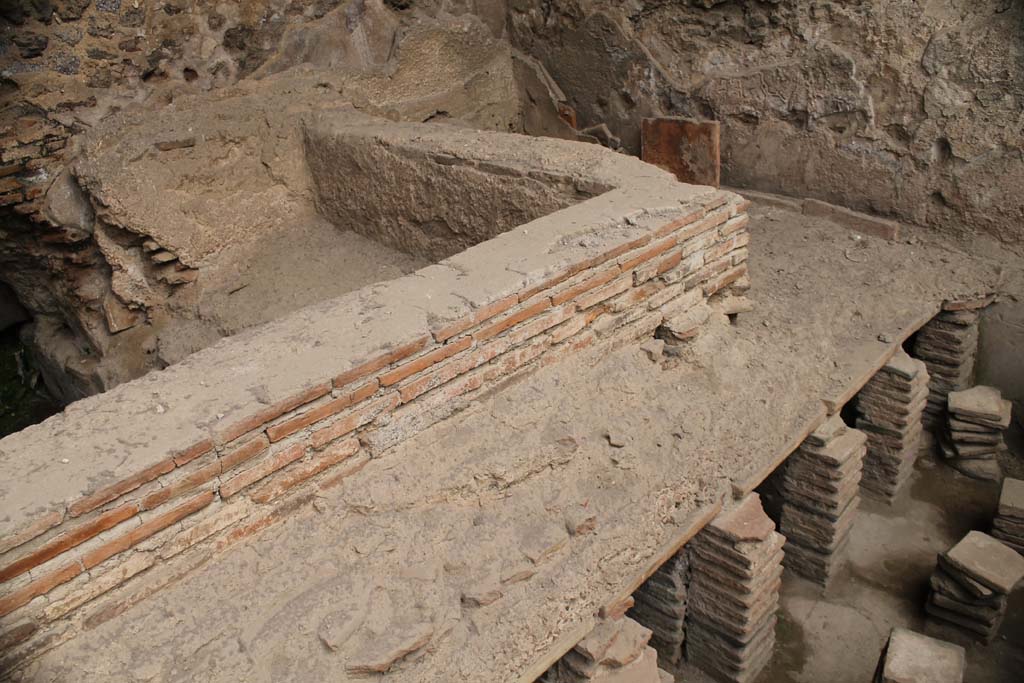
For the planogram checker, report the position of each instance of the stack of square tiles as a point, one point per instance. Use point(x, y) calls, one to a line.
point(821, 488)
point(615, 651)
point(1008, 526)
point(660, 605)
point(970, 585)
point(735, 576)
point(910, 657)
point(890, 407)
point(948, 345)
point(973, 437)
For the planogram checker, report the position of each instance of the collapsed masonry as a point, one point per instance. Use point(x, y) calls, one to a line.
point(616, 651)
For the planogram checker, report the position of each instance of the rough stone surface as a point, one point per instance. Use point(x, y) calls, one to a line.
point(987, 561)
point(914, 658)
point(816, 99)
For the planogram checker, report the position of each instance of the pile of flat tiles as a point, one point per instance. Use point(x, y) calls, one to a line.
point(660, 605)
point(973, 436)
point(911, 657)
point(821, 494)
point(889, 410)
point(735, 576)
point(615, 651)
point(1008, 525)
point(948, 345)
point(970, 586)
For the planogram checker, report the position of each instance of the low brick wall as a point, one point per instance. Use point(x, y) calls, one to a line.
point(221, 445)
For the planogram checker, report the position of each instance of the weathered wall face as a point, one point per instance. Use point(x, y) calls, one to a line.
point(79, 262)
point(429, 206)
point(906, 109)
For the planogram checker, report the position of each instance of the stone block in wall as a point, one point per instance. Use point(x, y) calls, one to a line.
point(689, 149)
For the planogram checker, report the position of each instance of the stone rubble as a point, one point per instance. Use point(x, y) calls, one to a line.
point(911, 657)
point(736, 573)
point(890, 408)
point(660, 605)
point(948, 345)
point(615, 651)
point(973, 436)
point(970, 586)
point(821, 487)
point(1008, 525)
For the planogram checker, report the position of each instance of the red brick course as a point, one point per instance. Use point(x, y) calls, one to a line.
point(36, 528)
point(146, 529)
point(69, 539)
point(260, 418)
point(333, 407)
point(380, 362)
point(109, 493)
point(425, 361)
point(262, 469)
point(40, 586)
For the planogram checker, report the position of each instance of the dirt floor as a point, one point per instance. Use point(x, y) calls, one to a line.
point(481, 500)
point(308, 263)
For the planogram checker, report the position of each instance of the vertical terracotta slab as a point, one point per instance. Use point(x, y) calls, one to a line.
point(689, 149)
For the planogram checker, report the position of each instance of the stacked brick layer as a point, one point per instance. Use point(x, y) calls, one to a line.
point(948, 345)
point(616, 651)
point(736, 573)
point(660, 605)
point(251, 469)
point(970, 585)
point(890, 408)
point(972, 437)
point(821, 488)
point(1008, 525)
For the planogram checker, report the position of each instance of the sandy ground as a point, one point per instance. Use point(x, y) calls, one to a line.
point(298, 267)
point(270, 277)
point(482, 499)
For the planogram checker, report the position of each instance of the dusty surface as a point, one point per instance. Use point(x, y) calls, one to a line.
point(296, 267)
point(208, 393)
point(485, 494)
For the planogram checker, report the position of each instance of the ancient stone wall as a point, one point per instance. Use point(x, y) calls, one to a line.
point(904, 109)
point(74, 69)
point(222, 444)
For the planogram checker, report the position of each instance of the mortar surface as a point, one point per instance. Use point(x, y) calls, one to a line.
point(467, 502)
